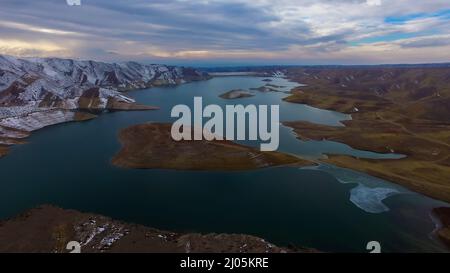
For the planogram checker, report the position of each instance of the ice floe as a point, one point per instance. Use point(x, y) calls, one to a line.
point(369, 193)
point(371, 199)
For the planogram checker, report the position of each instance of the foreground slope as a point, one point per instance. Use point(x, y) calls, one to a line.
point(49, 229)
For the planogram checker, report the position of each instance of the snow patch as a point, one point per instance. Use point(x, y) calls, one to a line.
point(38, 120)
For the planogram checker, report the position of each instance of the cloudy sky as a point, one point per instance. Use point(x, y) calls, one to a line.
point(230, 31)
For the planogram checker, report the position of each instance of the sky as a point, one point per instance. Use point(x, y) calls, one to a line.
point(229, 32)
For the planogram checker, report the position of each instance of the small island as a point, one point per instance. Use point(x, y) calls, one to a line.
point(236, 94)
point(268, 88)
point(150, 146)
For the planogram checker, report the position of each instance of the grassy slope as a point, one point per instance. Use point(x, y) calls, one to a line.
point(393, 109)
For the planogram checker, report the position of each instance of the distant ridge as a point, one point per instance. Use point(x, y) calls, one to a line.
point(252, 68)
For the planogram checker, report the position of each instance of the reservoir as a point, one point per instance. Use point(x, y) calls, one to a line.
point(323, 207)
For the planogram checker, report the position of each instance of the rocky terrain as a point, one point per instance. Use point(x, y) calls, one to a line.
point(49, 229)
point(443, 231)
point(36, 92)
point(150, 146)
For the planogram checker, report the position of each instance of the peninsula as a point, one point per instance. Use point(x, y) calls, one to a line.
point(150, 146)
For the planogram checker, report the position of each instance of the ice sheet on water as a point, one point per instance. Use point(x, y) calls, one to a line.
point(371, 199)
point(370, 191)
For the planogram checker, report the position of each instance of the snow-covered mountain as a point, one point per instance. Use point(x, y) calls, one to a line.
point(34, 89)
point(59, 82)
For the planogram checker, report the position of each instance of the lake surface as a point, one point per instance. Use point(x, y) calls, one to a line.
point(324, 207)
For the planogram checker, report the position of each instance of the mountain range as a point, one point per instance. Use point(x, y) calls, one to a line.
point(37, 92)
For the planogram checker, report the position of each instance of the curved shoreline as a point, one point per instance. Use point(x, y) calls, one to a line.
point(407, 171)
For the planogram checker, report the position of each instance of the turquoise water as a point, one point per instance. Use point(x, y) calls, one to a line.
point(324, 207)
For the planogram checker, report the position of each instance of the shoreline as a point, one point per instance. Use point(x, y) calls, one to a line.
point(61, 116)
point(406, 171)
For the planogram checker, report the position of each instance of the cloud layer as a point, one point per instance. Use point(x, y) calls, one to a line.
point(230, 31)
